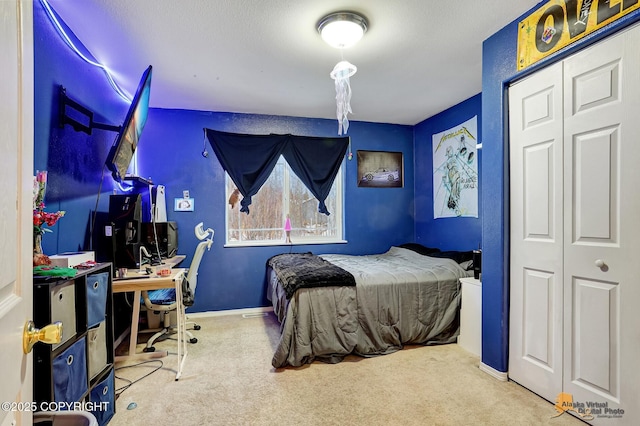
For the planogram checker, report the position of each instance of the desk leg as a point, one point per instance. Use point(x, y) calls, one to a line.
point(135, 320)
point(182, 338)
point(133, 338)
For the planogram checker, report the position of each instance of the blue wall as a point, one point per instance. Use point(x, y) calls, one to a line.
point(170, 153)
point(73, 159)
point(459, 233)
point(498, 70)
point(233, 277)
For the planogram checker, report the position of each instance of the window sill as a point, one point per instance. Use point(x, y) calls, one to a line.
point(281, 243)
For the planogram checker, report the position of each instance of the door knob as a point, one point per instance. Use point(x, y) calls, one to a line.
point(50, 334)
point(600, 264)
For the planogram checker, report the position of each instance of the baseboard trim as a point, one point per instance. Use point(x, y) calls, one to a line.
point(246, 311)
point(500, 375)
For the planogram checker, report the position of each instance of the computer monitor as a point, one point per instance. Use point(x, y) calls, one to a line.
point(124, 147)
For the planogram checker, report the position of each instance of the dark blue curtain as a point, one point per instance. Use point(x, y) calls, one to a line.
point(316, 162)
point(250, 159)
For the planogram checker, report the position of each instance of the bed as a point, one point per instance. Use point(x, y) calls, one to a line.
point(407, 295)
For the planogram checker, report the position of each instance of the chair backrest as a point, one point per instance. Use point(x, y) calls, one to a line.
point(192, 274)
point(204, 244)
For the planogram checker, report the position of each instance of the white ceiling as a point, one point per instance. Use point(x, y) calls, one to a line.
point(418, 58)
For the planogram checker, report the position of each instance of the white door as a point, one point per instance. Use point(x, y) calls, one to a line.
point(16, 146)
point(536, 298)
point(602, 225)
point(574, 326)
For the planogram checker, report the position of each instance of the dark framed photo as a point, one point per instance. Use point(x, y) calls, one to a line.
point(380, 169)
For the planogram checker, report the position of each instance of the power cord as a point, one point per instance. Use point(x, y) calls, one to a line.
point(95, 210)
point(130, 383)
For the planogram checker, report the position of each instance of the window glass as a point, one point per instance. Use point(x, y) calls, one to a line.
point(284, 195)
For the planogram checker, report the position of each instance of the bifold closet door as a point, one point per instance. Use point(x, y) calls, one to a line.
point(601, 225)
point(575, 233)
point(535, 339)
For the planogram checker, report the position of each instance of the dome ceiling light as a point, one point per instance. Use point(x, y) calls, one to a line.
point(342, 29)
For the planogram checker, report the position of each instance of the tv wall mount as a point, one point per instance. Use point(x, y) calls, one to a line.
point(78, 116)
point(81, 119)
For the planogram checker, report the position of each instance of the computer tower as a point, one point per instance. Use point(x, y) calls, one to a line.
point(125, 222)
point(164, 234)
point(477, 263)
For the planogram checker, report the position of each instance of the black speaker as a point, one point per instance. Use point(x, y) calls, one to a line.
point(164, 234)
point(125, 217)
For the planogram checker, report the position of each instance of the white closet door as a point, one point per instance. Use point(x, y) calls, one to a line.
point(535, 339)
point(601, 227)
point(575, 233)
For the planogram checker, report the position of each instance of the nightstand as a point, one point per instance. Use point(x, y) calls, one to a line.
point(470, 337)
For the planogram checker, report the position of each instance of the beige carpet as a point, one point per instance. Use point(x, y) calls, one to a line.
point(228, 380)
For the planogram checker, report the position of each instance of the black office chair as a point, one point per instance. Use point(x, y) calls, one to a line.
point(163, 301)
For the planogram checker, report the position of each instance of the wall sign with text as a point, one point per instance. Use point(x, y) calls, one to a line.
point(558, 23)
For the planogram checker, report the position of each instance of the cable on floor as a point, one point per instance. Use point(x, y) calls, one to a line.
point(131, 383)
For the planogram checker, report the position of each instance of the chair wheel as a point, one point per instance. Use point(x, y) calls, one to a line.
point(196, 327)
point(149, 349)
point(193, 340)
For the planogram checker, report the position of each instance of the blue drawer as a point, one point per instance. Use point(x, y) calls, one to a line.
point(70, 373)
point(103, 399)
point(96, 298)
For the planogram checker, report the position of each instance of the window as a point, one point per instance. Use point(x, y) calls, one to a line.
point(284, 194)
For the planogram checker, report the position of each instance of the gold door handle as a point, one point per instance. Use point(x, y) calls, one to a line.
point(50, 334)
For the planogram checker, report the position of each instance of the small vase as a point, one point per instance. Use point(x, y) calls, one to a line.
point(37, 243)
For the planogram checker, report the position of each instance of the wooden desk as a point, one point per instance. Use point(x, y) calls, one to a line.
point(137, 285)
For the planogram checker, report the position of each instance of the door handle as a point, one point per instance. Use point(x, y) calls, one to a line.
point(49, 334)
point(602, 265)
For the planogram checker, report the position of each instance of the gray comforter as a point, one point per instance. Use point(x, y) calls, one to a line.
point(401, 297)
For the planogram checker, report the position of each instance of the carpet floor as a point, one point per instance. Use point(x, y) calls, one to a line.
point(228, 380)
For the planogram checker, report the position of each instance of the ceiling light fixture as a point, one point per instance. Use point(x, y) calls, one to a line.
point(342, 30)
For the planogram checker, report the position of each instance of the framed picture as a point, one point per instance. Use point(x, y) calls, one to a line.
point(183, 204)
point(380, 169)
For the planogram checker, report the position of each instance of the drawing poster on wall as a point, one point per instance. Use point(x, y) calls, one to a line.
point(455, 171)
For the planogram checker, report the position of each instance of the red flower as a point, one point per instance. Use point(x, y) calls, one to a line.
point(40, 218)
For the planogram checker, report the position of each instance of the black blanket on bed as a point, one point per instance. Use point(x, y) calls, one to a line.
point(301, 270)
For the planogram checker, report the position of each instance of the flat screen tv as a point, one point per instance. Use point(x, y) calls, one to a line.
point(126, 142)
